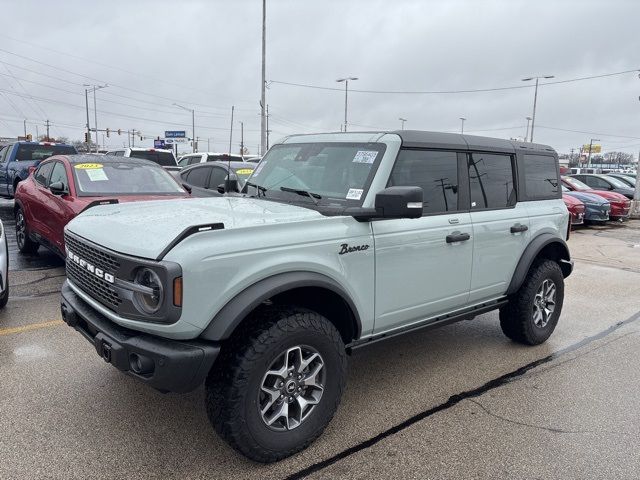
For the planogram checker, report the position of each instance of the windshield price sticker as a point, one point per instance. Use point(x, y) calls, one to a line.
point(244, 171)
point(365, 156)
point(88, 166)
point(354, 194)
point(97, 175)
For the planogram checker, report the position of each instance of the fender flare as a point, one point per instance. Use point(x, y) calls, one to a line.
point(531, 252)
point(232, 314)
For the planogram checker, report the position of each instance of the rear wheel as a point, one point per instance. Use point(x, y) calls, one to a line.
point(278, 385)
point(25, 244)
point(532, 313)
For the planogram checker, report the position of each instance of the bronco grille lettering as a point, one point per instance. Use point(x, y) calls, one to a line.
point(107, 277)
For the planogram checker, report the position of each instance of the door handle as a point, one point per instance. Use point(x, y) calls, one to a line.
point(517, 228)
point(458, 237)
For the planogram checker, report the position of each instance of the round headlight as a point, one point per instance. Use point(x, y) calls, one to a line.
point(148, 302)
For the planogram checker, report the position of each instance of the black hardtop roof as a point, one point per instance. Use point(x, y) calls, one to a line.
point(84, 158)
point(424, 139)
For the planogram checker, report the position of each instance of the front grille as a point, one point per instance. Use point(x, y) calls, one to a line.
point(96, 287)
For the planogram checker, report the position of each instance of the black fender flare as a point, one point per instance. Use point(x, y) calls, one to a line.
point(531, 252)
point(237, 309)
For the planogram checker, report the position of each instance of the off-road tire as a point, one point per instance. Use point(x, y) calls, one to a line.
point(26, 245)
point(516, 318)
point(233, 386)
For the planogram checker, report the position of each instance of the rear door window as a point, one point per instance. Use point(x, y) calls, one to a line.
point(491, 181)
point(540, 177)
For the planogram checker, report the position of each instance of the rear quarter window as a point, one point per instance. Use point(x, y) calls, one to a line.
point(541, 177)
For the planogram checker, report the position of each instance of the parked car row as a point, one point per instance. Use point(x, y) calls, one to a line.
point(597, 198)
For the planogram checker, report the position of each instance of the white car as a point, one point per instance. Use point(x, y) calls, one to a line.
point(164, 158)
point(203, 157)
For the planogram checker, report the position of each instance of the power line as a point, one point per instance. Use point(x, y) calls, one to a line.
point(446, 92)
point(589, 133)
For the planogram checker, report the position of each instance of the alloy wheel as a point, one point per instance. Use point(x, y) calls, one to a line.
point(21, 229)
point(544, 303)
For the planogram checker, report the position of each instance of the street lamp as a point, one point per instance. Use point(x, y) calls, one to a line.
point(462, 119)
point(346, 90)
point(402, 120)
point(95, 112)
point(535, 99)
point(193, 126)
point(591, 146)
point(526, 135)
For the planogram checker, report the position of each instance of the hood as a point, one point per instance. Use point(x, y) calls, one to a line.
point(586, 197)
point(145, 229)
point(570, 201)
point(611, 196)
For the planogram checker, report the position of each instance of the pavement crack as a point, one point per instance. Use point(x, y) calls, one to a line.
point(523, 424)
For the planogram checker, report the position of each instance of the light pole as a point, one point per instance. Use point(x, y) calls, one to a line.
point(591, 146)
point(346, 93)
point(402, 120)
point(263, 117)
point(526, 135)
point(95, 112)
point(535, 99)
point(193, 126)
point(462, 119)
point(25, 128)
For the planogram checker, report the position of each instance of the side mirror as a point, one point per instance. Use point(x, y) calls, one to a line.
point(57, 188)
point(230, 185)
point(32, 170)
point(392, 202)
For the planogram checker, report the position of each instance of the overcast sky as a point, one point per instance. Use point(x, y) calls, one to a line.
point(206, 55)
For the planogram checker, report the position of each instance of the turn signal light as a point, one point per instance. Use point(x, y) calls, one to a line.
point(177, 291)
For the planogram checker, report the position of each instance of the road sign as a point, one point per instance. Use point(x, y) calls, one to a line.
point(175, 134)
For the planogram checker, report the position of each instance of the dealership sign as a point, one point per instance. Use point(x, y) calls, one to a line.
point(594, 148)
point(175, 134)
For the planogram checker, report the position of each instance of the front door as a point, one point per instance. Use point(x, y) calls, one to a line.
point(59, 212)
point(423, 266)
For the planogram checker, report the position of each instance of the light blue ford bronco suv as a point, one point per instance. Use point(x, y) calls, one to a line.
point(336, 241)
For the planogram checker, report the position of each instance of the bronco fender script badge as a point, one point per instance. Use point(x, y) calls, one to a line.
point(345, 248)
point(107, 277)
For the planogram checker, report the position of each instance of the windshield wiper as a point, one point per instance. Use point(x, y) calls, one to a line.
point(312, 196)
point(259, 188)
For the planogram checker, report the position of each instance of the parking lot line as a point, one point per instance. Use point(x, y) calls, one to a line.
point(32, 326)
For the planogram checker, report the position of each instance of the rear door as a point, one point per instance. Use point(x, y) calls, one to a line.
point(500, 223)
point(423, 266)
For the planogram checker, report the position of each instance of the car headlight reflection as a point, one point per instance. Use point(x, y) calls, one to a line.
point(149, 298)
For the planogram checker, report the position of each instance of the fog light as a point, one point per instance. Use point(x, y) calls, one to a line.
point(140, 364)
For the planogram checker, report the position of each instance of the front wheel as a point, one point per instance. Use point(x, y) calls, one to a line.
point(277, 387)
point(532, 313)
point(25, 244)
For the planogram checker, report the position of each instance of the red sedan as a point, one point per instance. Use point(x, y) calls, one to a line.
point(620, 205)
point(576, 209)
point(64, 186)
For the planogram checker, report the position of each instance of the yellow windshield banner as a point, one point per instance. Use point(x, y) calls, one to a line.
point(244, 171)
point(88, 166)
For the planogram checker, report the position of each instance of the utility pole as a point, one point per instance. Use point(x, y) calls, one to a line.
point(402, 120)
point(346, 94)
point(263, 118)
point(462, 119)
point(86, 102)
point(535, 99)
point(268, 131)
point(231, 132)
point(590, 146)
point(526, 135)
point(25, 128)
point(208, 145)
point(47, 124)
point(242, 138)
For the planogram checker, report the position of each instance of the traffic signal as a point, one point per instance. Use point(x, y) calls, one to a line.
point(108, 131)
point(119, 131)
point(86, 137)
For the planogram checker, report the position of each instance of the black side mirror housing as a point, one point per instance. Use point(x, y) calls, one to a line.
point(57, 188)
point(229, 185)
point(392, 202)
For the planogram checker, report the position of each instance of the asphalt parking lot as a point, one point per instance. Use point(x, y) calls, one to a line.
point(458, 402)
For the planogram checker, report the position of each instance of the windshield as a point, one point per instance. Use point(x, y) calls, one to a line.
point(33, 151)
point(336, 173)
point(122, 178)
point(576, 184)
point(616, 182)
point(166, 159)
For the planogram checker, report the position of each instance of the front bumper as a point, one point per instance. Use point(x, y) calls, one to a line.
point(164, 364)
